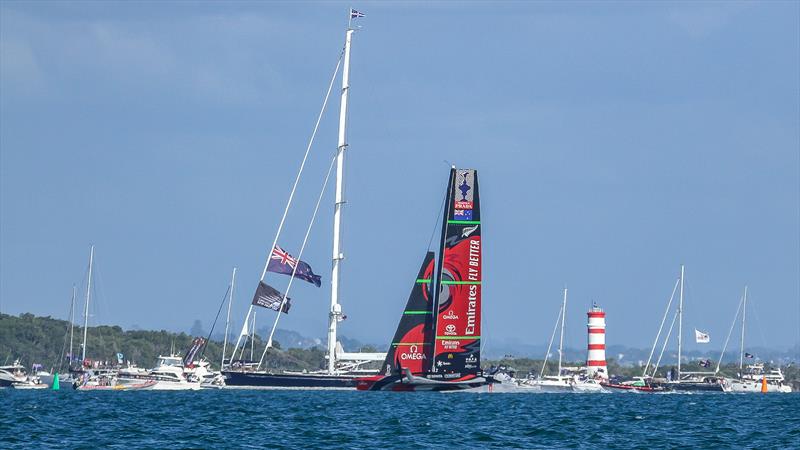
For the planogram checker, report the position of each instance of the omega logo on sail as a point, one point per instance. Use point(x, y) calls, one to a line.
point(414, 354)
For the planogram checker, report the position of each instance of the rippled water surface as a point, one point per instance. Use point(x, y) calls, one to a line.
point(349, 419)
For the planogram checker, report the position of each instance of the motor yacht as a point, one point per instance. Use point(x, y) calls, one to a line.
point(752, 380)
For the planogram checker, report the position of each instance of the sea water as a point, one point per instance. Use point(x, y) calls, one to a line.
point(384, 420)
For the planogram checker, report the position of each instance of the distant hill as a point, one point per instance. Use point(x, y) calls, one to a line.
point(45, 340)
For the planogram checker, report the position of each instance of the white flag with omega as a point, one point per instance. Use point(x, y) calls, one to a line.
point(701, 337)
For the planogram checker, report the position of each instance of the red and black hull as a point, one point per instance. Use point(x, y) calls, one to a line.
point(400, 383)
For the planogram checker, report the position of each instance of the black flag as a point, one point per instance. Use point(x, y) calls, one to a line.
point(269, 297)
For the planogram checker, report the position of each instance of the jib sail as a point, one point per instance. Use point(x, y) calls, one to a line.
point(412, 345)
point(457, 302)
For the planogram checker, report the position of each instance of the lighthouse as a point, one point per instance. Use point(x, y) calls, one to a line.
point(596, 359)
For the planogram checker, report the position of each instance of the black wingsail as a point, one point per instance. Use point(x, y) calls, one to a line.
point(458, 286)
point(412, 345)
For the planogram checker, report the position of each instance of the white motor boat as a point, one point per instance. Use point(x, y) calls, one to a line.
point(12, 374)
point(30, 383)
point(588, 386)
point(169, 374)
point(200, 371)
point(753, 379)
point(550, 384)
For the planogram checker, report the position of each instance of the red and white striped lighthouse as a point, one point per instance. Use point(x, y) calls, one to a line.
point(596, 359)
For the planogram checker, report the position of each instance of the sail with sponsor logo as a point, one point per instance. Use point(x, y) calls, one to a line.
point(457, 294)
point(437, 343)
point(411, 346)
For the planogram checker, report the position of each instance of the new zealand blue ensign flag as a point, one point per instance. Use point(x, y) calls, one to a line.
point(280, 261)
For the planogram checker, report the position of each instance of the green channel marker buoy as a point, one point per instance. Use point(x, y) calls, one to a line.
point(55, 382)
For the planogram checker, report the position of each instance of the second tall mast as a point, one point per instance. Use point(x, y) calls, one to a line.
point(338, 255)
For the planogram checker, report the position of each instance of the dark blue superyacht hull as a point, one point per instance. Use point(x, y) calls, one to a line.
point(288, 380)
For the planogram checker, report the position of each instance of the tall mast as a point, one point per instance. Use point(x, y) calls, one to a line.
point(437, 285)
point(680, 325)
point(71, 325)
point(338, 256)
point(228, 322)
point(86, 307)
point(744, 313)
point(561, 341)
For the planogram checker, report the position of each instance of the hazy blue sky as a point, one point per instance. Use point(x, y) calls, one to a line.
point(614, 141)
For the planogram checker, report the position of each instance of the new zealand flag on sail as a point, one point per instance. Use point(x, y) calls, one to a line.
point(269, 297)
point(280, 261)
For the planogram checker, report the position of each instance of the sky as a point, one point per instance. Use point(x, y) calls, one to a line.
point(613, 141)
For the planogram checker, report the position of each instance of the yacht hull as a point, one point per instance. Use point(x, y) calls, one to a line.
point(588, 388)
point(117, 387)
point(690, 386)
point(159, 385)
point(750, 386)
point(614, 387)
point(554, 388)
point(287, 380)
point(29, 386)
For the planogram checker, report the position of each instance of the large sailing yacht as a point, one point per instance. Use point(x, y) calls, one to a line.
point(692, 381)
point(754, 377)
point(342, 367)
